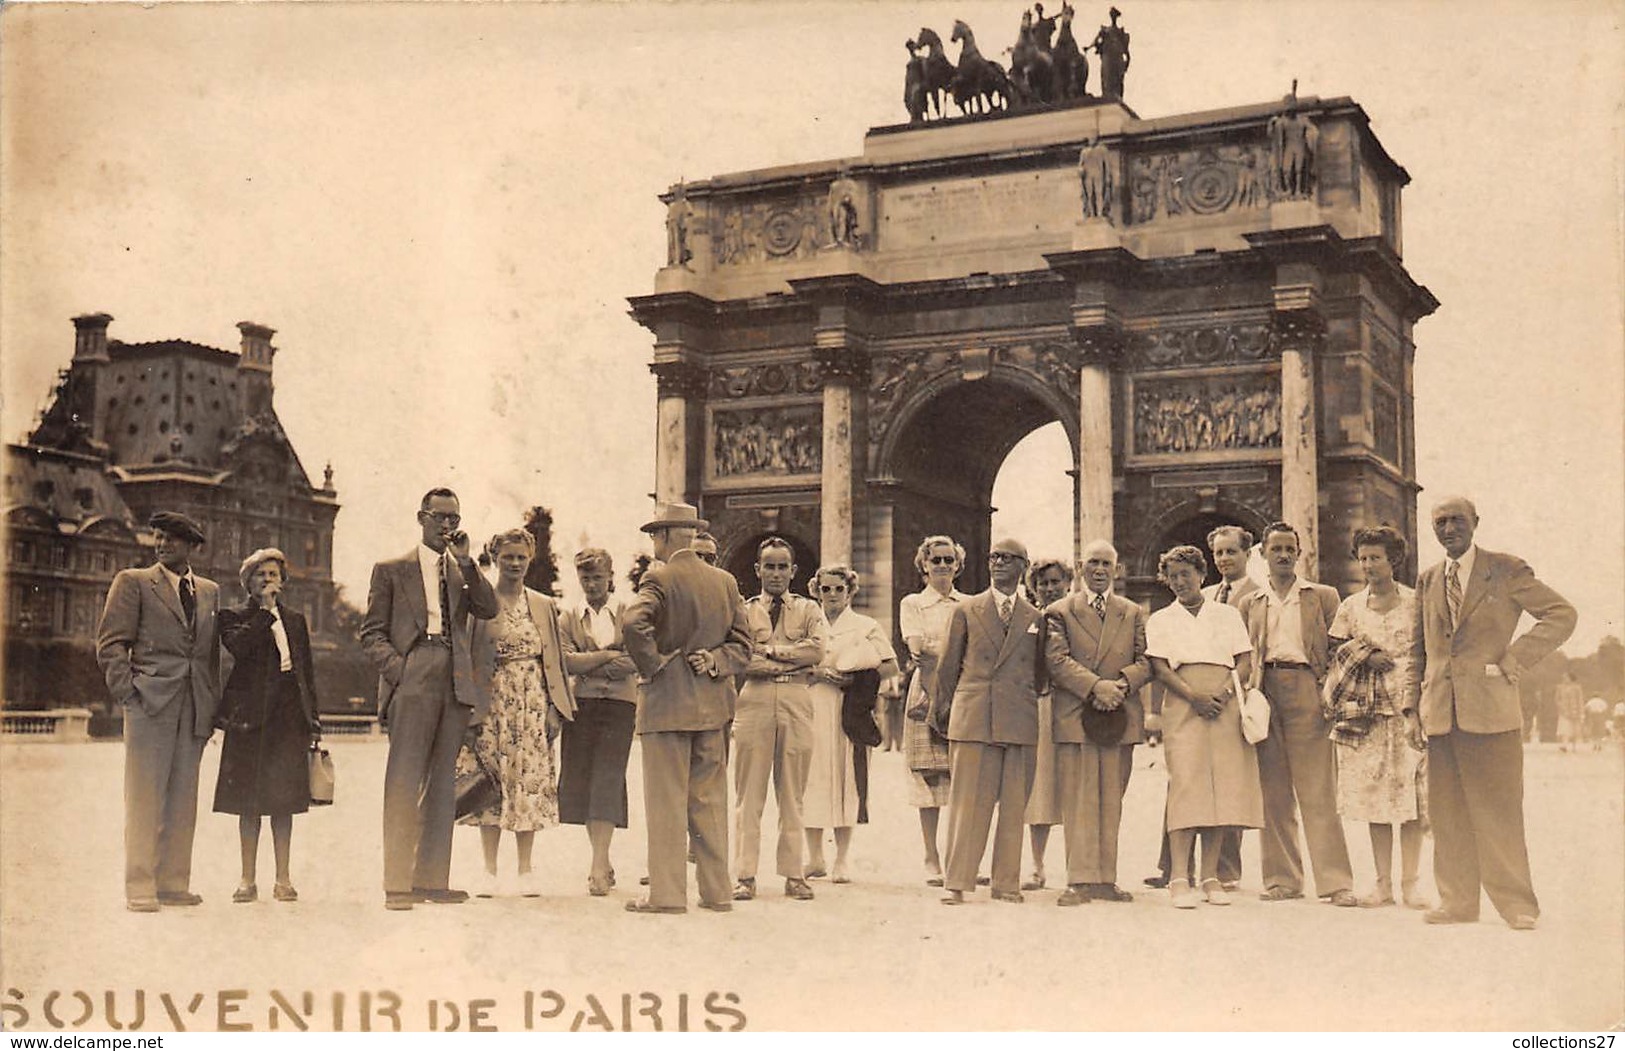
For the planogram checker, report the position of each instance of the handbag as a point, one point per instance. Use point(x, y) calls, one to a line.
point(321, 775)
point(476, 790)
point(1255, 711)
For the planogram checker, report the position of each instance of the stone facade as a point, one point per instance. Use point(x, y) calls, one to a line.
point(1223, 327)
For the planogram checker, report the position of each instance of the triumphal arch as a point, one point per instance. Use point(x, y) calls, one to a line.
point(1214, 305)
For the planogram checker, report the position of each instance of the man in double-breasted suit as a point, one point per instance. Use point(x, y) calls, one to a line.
point(419, 608)
point(1467, 611)
point(1289, 621)
point(686, 631)
point(986, 704)
point(1095, 651)
point(158, 645)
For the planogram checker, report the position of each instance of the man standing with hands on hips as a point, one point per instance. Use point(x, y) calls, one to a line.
point(158, 645)
point(415, 630)
point(1470, 666)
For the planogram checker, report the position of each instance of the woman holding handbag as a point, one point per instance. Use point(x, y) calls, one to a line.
point(1198, 649)
point(838, 776)
point(269, 713)
point(922, 620)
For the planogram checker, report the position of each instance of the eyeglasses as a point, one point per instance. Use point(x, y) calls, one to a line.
point(832, 589)
point(1004, 556)
point(943, 560)
point(707, 557)
point(450, 518)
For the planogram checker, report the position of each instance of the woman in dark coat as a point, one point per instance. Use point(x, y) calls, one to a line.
point(269, 714)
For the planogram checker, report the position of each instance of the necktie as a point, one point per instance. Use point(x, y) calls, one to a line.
point(1224, 593)
point(775, 609)
point(1004, 609)
point(445, 598)
point(188, 601)
point(1452, 590)
point(1100, 606)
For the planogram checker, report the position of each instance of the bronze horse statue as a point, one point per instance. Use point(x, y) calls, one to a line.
point(1031, 67)
point(980, 85)
point(1071, 68)
point(936, 73)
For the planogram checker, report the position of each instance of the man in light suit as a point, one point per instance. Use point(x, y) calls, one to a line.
point(419, 608)
point(1289, 622)
point(986, 704)
point(158, 645)
point(1468, 610)
point(686, 631)
point(1095, 651)
point(773, 727)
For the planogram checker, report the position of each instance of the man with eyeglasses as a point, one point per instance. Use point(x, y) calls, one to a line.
point(986, 704)
point(773, 727)
point(418, 610)
point(705, 548)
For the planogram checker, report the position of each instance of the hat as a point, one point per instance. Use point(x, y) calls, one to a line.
point(1011, 547)
point(675, 516)
point(177, 525)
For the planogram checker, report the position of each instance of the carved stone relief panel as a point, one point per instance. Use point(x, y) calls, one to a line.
point(1205, 414)
point(1204, 345)
point(758, 231)
point(766, 442)
point(894, 377)
point(773, 378)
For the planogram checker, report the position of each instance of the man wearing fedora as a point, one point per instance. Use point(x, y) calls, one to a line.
point(985, 702)
point(158, 645)
point(1097, 663)
point(419, 607)
point(687, 633)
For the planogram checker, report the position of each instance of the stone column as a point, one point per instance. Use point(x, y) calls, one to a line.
point(681, 387)
point(1296, 335)
point(1100, 342)
point(843, 365)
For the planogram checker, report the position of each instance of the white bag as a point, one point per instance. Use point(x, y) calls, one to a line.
point(1255, 711)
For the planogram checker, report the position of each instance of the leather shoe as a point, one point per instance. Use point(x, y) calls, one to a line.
point(142, 904)
point(1072, 896)
point(440, 895)
point(1036, 883)
point(717, 906)
point(284, 892)
point(1014, 897)
point(397, 902)
point(179, 897)
point(745, 890)
point(798, 890)
point(1343, 899)
point(1109, 892)
point(1439, 917)
point(1280, 894)
point(1522, 923)
point(1155, 882)
point(648, 908)
point(245, 893)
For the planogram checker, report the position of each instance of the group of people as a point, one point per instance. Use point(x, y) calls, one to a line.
point(1022, 706)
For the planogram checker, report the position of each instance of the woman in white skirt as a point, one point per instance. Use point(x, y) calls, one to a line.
point(922, 619)
point(836, 796)
point(1382, 768)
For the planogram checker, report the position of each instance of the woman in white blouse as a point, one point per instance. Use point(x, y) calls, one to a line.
point(834, 798)
point(1196, 647)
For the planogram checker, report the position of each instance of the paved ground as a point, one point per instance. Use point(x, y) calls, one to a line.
point(877, 954)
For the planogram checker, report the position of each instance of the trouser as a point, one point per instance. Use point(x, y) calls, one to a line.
point(1475, 803)
point(1092, 780)
point(420, 800)
point(982, 776)
point(161, 757)
point(685, 803)
point(1297, 769)
point(773, 736)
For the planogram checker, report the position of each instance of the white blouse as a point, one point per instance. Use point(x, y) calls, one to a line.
point(1215, 635)
point(856, 642)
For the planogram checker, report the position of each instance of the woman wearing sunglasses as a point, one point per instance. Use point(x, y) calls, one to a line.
point(857, 659)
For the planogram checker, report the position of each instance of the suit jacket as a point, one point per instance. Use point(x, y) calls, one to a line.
point(397, 618)
point(1458, 690)
point(1237, 592)
point(245, 632)
point(1317, 607)
point(482, 649)
point(148, 654)
point(989, 676)
point(1081, 649)
point(578, 640)
point(684, 606)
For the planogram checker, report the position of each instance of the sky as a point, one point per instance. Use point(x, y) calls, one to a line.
point(443, 205)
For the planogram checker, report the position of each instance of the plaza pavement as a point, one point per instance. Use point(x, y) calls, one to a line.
point(880, 953)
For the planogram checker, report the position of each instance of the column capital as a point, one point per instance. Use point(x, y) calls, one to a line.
point(679, 379)
point(839, 358)
point(1100, 343)
point(1301, 329)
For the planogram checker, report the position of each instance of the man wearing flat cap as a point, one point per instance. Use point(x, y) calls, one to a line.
point(986, 704)
point(687, 633)
point(158, 645)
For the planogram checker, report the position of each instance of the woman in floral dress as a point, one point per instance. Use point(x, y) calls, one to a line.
point(523, 697)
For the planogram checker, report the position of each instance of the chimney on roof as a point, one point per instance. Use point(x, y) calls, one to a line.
point(90, 337)
point(254, 364)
